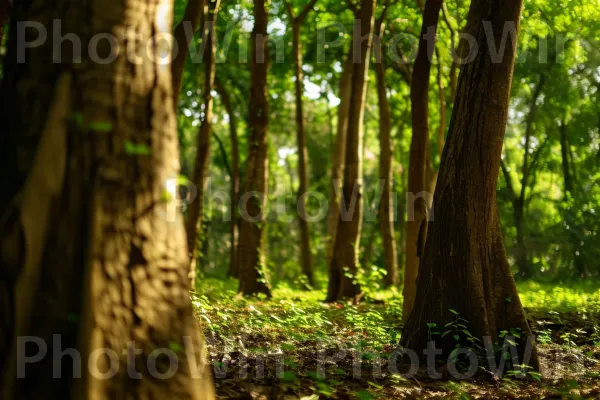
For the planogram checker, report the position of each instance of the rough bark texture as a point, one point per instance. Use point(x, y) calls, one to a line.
point(345, 257)
point(338, 160)
point(416, 225)
point(386, 177)
point(306, 255)
point(235, 177)
point(253, 274)
point(193, 220)
point(101, 258)
point(465, 266)
point(183, 35)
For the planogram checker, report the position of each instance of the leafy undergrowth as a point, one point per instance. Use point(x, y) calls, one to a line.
point(295, 347)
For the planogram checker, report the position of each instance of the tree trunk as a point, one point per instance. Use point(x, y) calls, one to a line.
point(306, 256)
point(4, 8)
point(416, 225)
point(95, 249)
point(193, 220)
point(183, 36)
point(386, 177)
point(345, 257)
point(253, 274)
point(338, 160)
point(235, 177)
point(569, 187)
point(465, 266)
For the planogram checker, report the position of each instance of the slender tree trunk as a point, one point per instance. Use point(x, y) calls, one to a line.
point(416, 226)
point(569, 187)
point(183, 36)
point(465, 267)
point(4, 8)
point(193, 221)
point(386, 177)
point(253, 274)
point(306, 255)
point(95, 247)
point(235, 177)
point(338, 160)
point(345, 257)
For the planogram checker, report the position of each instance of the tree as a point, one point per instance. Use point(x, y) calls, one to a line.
point(253, 275)
point(416, 225)
point(465, 267)
point(345, 256)
point(338, 160)
point(306, 256)
point(91, 247)
point(569, 191)
point(235, 177)
point(193, 221)
point(528, 169)
point(386, 151)
point(183, 35)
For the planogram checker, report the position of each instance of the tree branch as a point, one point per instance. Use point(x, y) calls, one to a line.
point(508, 179)
point(290, 11)
point(528, 128)
point(223, 154)
point(536, 156)
point(306, 10)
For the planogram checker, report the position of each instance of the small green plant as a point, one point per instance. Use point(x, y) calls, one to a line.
point(545, 337)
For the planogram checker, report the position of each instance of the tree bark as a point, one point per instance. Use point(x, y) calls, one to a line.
point(183, 36)
point(416, 226)
point(92, 240)
point(305, 252)
point(253, 274)
point(386, 177)
point(345, 257)
point(338, 160)
point(235, 177)
point(465, 266)
point(194, 216)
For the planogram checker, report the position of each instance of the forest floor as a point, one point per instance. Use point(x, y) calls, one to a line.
point(295, 347)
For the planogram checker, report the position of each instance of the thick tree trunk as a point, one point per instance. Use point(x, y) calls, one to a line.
point(99, 251)
point(235, 177)
point(416, 225)
point(465, 266)
point(183, 35)
point(345, 257)
point(306, 256)
point(253, 274)
point(338, 160)
point(193, 220)
point(386, 177)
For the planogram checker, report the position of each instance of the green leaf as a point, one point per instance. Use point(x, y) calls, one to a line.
point(288, 376)
point(364, 395)
point(136, 149)
point(100, 126)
